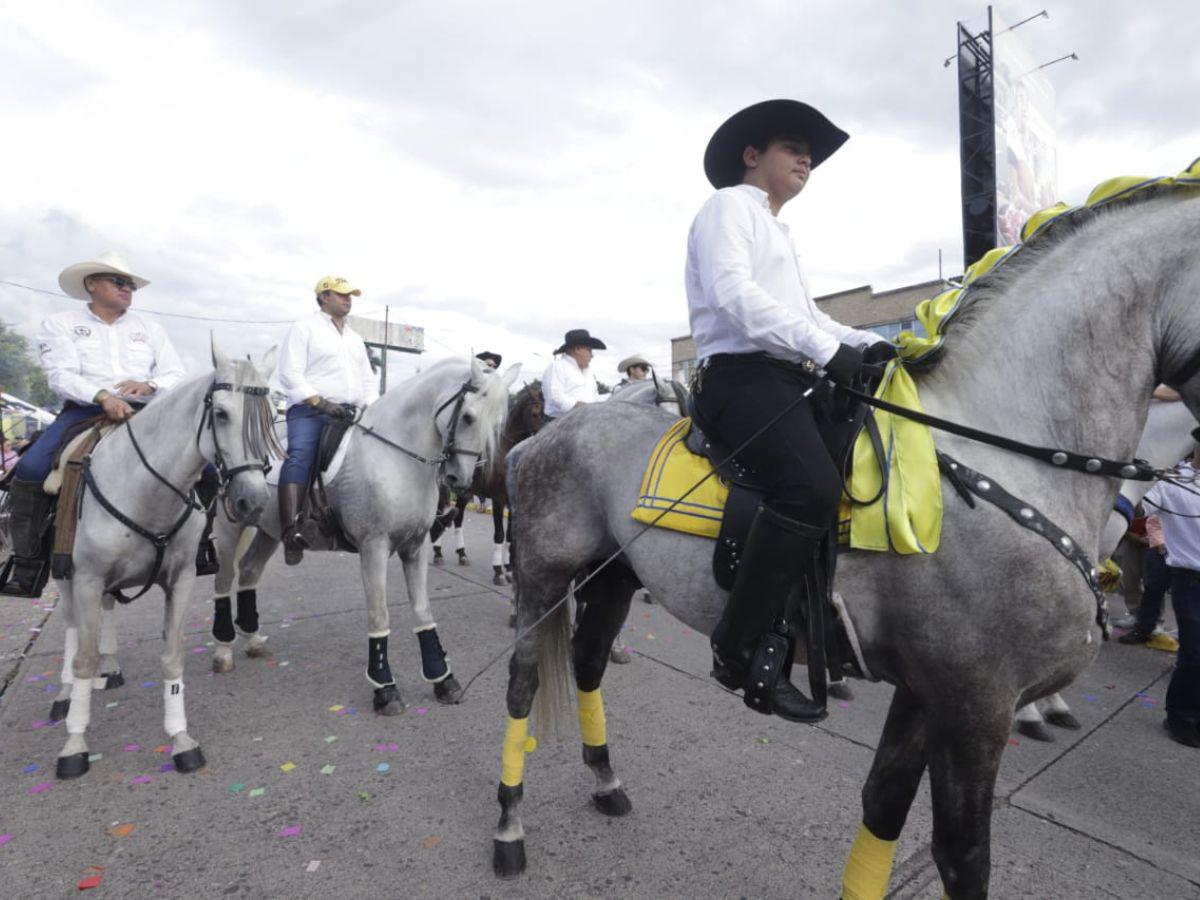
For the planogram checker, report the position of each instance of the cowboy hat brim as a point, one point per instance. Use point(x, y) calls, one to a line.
point(71, 278)
point(630, 361)
point(593, 343)
point(759, 123)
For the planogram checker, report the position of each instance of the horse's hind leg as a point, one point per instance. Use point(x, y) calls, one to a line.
point(498, 544)
point(1030, 723)
point(62, 700)
point(435, 668)
point(110, 676)
point(245, 563)
point(185, 751)
point(85, 601)
point(965, 744)
point(886, 799)
point(1058, 713)
point(460, 540)
point(605, 601)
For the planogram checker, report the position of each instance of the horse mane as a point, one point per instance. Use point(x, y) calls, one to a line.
point(258, 416)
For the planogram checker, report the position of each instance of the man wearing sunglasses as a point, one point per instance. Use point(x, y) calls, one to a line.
point(101, 359)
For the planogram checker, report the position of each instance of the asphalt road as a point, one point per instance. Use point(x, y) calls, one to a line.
point(308, 794)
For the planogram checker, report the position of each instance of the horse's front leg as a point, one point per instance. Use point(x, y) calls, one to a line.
point(62, 700)
point(886, 799)
point(185, 751)
point(110, 676)
point(85, 599)
point(247, 569)
point(499, 547)
point(965, 743)
point(373, 554)
point(435, 668)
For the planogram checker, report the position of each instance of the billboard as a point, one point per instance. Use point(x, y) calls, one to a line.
point(393, 335)
point(1024, 110)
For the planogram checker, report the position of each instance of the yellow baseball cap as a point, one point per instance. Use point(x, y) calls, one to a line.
point(337, 285)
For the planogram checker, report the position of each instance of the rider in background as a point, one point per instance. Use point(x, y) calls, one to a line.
point(760, 340)
point(633, 369)
point(567, 382)
point(326, 373)
point(101, 359)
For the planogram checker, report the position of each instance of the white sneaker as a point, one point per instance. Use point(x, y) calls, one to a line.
point(1126, 621)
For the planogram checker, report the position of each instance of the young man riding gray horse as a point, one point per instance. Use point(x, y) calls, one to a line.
point(326, 373)
point(760, 340)
point(104, 359)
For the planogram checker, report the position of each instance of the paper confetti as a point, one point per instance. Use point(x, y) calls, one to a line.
point(32, 767)
point(132, 748)
point(140, 779)
point(257, 792)
point(363, 795)
point(90, 882)
point(431, 842)
point(337, 708)
point(289, 831)
point(122, 830)
point(113, 705)
point(5, 838)
point(42, 787)
point(40, 723)
point(422, 710)
point(330, 738)
point(287, 766)
point(167, 767)
point(327, 770)
point(149, 684)
point(382, 767)
point(162, 748)
point(313, 865)
point(237, 788)
point(95, 757)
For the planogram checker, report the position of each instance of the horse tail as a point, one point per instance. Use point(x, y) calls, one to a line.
point(553, 700)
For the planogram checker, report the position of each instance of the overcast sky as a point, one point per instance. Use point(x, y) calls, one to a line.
point(499, 172)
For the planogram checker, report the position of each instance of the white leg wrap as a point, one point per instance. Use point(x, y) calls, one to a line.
point(507, 559)
point(70, 648)
point(460, 541)
point(174, 716)
point(1055, 703)
point(498, 555)
point(81, 707)
point(1028, 713)
point(379, 634)
point(420, 628)
point(108, 632)
point(438, 542)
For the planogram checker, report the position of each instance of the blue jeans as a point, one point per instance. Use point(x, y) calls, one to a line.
point(304, 424)
point(38, 460)
point(1183, 693)
point(1156, 578)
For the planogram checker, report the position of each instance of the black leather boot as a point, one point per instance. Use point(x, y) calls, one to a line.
point(28, 568)
point(206, 554)
point(752, 645)
point(291, 497)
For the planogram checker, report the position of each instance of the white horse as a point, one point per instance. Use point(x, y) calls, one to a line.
point(437, 425)
point(139, 525)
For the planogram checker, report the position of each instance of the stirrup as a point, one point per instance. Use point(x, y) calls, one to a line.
point(23, 577)
point(206, 558)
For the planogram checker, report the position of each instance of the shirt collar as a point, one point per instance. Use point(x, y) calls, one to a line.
point(759, 196)
point(88, 311)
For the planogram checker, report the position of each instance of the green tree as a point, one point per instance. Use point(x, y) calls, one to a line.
point(20, 374)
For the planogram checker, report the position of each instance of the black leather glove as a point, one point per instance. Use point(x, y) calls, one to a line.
point(845, 365)
point(331, 409)
point(880, 353)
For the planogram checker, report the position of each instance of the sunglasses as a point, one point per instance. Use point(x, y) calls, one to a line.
point(120, 281)
point(639, 368)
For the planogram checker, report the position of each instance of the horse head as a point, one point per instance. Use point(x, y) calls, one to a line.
point(470, 419)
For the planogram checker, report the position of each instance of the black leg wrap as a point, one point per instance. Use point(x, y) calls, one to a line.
point(188, 761)
point(59, 710)
point(378, 669)
point(247, 611)
point(74, 766)
point(448, 691)
point(113, 680)
point(386, 701)
point(222, 629)
point(433, 657)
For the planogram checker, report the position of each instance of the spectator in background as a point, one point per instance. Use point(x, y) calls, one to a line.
point(1156, 579)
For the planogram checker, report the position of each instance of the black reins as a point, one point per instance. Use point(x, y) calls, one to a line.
point(449, 450)
point(191, 503)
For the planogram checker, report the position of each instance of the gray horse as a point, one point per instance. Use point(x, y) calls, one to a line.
point(1060, 347)
point(438, 424)
point(138, 478)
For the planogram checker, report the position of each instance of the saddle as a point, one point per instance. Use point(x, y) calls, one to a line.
point(321, 526)
point(66, 480)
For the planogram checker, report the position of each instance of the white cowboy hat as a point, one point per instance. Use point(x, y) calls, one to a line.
point(71, 278)
point(634, 360)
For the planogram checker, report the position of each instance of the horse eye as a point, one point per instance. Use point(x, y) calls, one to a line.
point(468, 419)
point(221, 415)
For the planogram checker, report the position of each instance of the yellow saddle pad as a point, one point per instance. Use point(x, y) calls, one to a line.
point(672, 473)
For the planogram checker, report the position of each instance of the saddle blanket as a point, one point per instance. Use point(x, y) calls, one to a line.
point(331, 471)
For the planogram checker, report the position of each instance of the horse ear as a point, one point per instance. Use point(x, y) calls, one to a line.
point(510, 375)
point(267, 366)
point(220, 360)
point(476, 370)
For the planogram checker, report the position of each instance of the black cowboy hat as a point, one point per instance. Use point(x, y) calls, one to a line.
point(488, 354)
point(759, 123)
point(579, 337)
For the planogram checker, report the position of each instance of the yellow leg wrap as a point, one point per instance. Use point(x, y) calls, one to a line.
point(516, 744)
point(869, 868)
point(592, 724)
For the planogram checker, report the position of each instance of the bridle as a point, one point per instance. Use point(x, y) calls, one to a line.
point(191, 502)
point(449, 449)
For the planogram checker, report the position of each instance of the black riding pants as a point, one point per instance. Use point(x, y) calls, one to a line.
point(794, 458)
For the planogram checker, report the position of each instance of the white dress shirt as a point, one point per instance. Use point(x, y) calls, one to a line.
point(564, 384)
point(317, 359)
point(746, 290)
point(1182, 534)
point(83, 355)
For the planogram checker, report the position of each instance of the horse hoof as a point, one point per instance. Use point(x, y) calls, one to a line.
point(840, 690)
point(613, 803)
point(387, 702)
point(462, 560)
point(498, 578)
point(73, 766)
point(112, 680)
point(1064, 719)
point(508, 579)
point(512, 621)
point(448, 691)
point(222, 665)
point(439, 560)
point(59, 710)
point(258, 650)
point(188, 761)
point(647, 598)
point(1036, 731)
point(508, 858)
